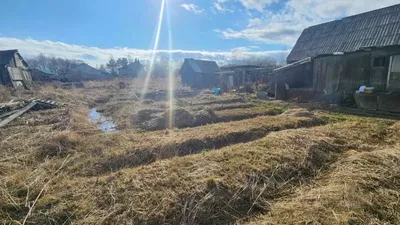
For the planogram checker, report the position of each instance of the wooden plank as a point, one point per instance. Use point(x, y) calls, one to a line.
point(8, 113)
point(17, 114)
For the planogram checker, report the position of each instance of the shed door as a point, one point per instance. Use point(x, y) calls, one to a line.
point(394, 73)
point(357, 70)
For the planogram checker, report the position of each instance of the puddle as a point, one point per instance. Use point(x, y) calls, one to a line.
point(104, 123)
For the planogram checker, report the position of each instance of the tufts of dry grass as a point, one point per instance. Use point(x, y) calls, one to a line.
point(181, 142)
point(215, 187)
point(60, 145)
point(5, 94)
point(362, 188)
point(240, 114)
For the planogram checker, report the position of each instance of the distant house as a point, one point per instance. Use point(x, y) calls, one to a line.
point(199, 73)
point(84, 72)
point(14, 71)
point(330, 61)
point(131, 70)
point(41, 76)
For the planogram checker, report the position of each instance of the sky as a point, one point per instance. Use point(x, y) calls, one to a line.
point(222, 30)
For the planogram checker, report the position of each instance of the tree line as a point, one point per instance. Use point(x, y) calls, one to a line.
point(161, 67)
point(60, 66)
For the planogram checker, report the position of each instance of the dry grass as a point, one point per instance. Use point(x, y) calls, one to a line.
point(362, 187)
point(56, 168)
point(128, 149)
point(212, 188)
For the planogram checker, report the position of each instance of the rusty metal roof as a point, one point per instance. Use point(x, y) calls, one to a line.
point(376, 28)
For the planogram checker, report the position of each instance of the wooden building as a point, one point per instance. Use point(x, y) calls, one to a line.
point(331, 61)
point(14, 71)
point(199, 73)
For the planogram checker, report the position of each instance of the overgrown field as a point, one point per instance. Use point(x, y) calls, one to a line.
point(230, 159)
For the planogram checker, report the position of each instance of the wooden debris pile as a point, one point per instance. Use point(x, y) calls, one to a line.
point(13, 109)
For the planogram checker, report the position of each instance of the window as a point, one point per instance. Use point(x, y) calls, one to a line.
point(379, 62)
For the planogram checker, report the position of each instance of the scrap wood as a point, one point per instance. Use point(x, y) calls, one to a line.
point(17, 114)
point(8, 113)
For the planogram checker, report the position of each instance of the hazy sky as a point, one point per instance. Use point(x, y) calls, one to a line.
point(93, 30)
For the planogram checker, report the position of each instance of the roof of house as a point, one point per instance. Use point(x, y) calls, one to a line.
point(84, 67)
point(7, 55)
point(39, 71)
point(376, 28)
point(134, 65)
point(38, 74)
point(203, 66)
point(232, 67)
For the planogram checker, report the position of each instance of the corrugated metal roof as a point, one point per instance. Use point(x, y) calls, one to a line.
point(376, 28)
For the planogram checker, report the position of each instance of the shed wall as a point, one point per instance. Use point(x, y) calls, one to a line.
point(344, 74)
point(296, 77)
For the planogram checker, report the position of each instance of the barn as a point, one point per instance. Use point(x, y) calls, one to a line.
point(330, 61)
point(199, 73)
point(14, 71)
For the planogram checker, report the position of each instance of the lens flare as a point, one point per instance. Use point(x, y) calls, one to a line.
point(154, 52)
point(171, 80)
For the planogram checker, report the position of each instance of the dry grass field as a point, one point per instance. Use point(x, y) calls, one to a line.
point(231, 159)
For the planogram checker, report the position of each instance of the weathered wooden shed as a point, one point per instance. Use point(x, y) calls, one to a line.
point(331, 61)
point(199, 73)
point(14, 71)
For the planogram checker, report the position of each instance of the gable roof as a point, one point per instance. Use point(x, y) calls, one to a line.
point(134, 65)
point(7, 55)
point(86, 68)
point(203, 66)
point(376, 28)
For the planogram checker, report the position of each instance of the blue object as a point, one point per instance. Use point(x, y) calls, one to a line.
point(217, 91)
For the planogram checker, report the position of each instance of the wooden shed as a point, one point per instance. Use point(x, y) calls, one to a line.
point(331, 61)
point(199, 73)
point(14, 71)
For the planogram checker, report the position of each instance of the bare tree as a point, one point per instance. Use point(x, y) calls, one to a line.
point(162, 66)
point(58, 66)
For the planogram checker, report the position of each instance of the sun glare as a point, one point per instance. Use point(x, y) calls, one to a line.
point(171, 80)
point(154, 52)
